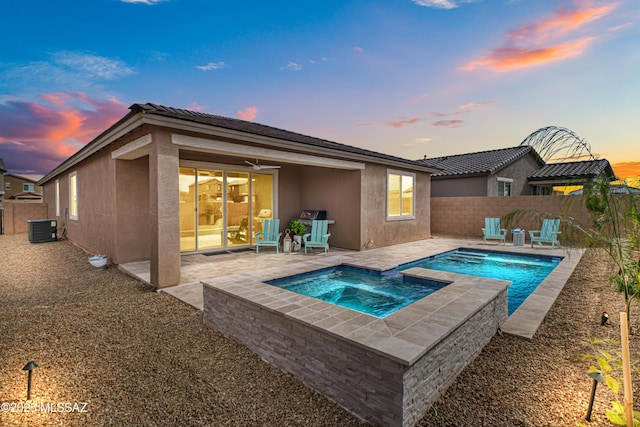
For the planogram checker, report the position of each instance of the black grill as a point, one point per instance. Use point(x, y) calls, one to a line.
point(307, 216)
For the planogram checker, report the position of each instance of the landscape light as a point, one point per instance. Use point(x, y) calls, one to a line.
point(605, 318)
point(29, 367)
point(597, 376)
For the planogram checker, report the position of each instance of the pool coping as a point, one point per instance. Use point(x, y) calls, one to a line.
point(410, 332)
point(403, 336)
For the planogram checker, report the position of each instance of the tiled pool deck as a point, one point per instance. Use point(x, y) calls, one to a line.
point(251, 268)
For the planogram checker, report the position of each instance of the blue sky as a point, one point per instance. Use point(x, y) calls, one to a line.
point(404, 77)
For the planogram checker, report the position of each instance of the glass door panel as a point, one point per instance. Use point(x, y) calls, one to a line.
point(187, 180)
point(210, 209)
point(237, 208)
point(262, 198)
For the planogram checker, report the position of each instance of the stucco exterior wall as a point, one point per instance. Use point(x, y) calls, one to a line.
point(132, 229)
point(518, 171)
point(338, 192)
point(464, 216)
point(94, 228)
point(375, 226)
point(459, 187)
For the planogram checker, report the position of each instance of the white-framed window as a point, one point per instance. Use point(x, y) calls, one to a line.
point(504, 186)
point(7, 186)
point(400, 195)
point(73, 195)
point(28, 187)
point(57, 197)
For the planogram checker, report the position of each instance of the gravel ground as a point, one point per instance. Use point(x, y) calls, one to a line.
point(137, 357)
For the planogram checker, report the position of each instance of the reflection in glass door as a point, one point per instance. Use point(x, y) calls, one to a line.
point(210, 209)
point(220, 209)
point(187, 180)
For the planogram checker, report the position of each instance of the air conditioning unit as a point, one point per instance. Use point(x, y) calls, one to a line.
point(43, 230)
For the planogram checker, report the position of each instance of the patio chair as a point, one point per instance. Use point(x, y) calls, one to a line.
point(270, 235)
point(548, 233)
point(492, 230)
point(318, 238)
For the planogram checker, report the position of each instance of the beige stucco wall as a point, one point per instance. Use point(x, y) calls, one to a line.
point(375, 226)
point(339, 193)
point(519, 171)
point(459, 187)
point(94, 228)
point(132, 229)
point(464, 216)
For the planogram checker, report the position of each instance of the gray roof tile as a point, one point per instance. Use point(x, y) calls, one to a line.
point(581, 169)
point(480, 163)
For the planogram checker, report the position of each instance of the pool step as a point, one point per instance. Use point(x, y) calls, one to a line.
point(467, 258)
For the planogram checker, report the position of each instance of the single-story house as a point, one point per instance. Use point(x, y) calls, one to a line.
point(512, 171)
point(162, 182)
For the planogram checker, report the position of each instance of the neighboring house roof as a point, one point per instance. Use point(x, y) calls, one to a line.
point(614, 189)
point(3, 168)
point(149, 113)
point(27, 195)
point(480, 163)
point(23, 178)
point(567, 171)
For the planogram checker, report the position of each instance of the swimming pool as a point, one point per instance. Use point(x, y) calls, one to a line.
point(366, 291)
point(380, 294)
point(525, 272)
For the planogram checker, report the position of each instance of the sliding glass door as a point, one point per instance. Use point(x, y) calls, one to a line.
point(222, 208)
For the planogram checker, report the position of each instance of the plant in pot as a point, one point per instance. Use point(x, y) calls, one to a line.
point(297, 229)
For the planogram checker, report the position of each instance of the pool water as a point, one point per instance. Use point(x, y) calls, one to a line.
point(380, 294)
point(525, 272)
point(374, 293)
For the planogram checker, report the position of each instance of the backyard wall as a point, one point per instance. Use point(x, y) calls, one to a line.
point(464, 216)
point(16, 215)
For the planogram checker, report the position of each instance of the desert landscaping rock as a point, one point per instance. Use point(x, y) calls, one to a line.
point(139, 357)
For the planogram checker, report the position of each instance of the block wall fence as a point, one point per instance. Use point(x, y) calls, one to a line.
point(16, 215)
point(464, 216)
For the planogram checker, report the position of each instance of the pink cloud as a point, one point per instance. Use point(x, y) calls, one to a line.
point(37, 136)
point(248, 113)
point(542, 41)
point(358, 49)
point(402, 123)
point(448, 123)
point(513, 58)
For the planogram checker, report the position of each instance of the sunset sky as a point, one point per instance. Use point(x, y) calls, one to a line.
point(403, 77)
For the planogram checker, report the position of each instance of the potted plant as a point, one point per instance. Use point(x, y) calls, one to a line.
point(297, 229)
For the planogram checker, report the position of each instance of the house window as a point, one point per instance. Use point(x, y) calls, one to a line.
point(73, 196)
point(28, 187)
point(7, 186)
point(504, 186)
point(57, 197)
point(400, 195)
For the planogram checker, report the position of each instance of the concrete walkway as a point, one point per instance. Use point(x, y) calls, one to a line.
point(524, 322)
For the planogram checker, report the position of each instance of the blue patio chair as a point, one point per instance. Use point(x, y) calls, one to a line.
point(548, 233)
point(318, 238)
point(270, 235)
point(493, 231)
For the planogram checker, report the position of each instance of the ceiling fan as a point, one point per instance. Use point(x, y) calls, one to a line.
point(258, 166)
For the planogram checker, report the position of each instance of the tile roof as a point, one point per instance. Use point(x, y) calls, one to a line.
point(567, 170)
point(262, 130)
point(480, 163)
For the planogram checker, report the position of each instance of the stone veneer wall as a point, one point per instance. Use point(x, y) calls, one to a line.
point(428, 378)
point(366, 383)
